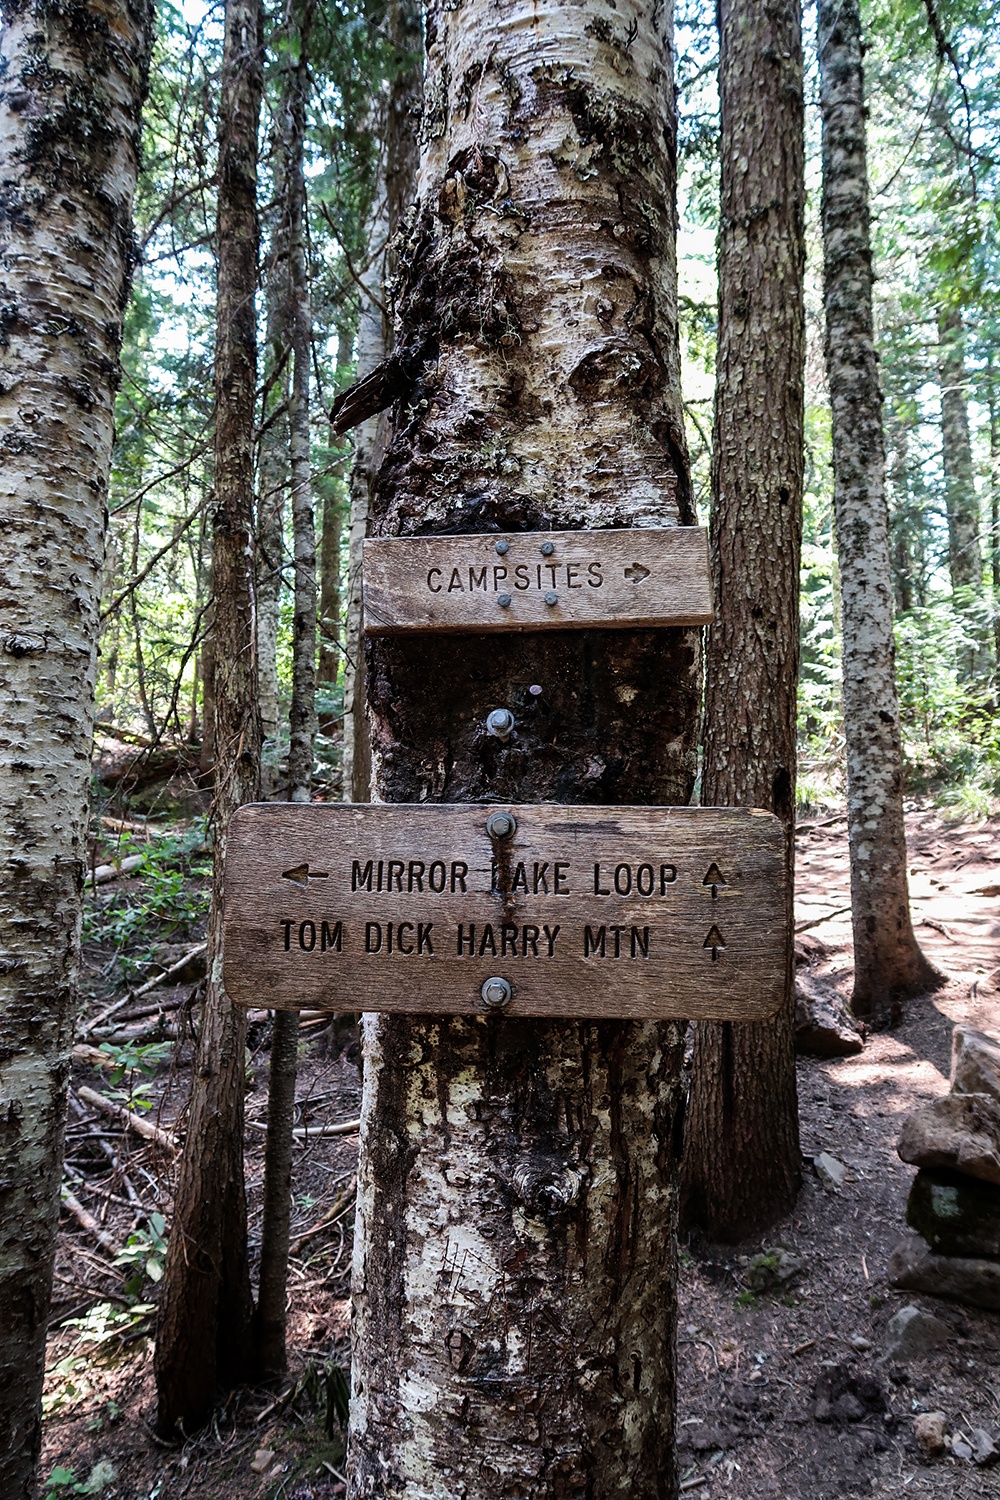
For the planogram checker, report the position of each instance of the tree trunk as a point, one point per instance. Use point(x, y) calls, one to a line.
point(515, 1255)
point(993, 407)
point(273, 473)
point(371, 350)
point(395, 195)
point(270, 1321)
point(742, 1161)
point(888, 964)
point(302, 715)
point(965, 561)
point(73, 83)
point(205, 1308)
point(330, 598)
point(903, 567)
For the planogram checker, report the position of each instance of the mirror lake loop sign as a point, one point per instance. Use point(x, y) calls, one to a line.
point(537, 580)
point(628, 912)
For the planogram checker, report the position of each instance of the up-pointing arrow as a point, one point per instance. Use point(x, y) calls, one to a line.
point(301, 874)
point(714, 878)
point(715, 941)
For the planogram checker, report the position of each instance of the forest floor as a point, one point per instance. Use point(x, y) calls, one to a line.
point(749, 1362)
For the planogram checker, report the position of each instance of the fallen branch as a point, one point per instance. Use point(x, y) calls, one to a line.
point(310, 1132)
point(145, 1128)
point(144, 989)
point(87, 1221)
point(341, 1203)
point(104, 874)
point(938, 927)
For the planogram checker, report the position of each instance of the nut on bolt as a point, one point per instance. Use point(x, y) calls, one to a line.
point(547, 549)
point(501, 825)
point(501, 723)
point(496, 993)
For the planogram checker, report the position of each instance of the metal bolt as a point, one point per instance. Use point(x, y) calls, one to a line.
point(502, 547)
point(503, 600)
point(551, 597)
point(501, 825)
point(547, 549)
point(496, 993)
point(501, 723)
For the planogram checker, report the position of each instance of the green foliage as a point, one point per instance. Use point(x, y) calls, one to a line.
point(145, 1252)
point(63, 1481)
point(163, 902)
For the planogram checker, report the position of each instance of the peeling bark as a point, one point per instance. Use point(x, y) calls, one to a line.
point(515, 1253)
point(742, 1163)
point(203, 1338)
point(72, 81)
point(888, 963)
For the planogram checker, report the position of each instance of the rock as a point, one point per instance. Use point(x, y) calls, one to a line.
point(975, 1063)
point(930, 1429)
point(823, 1026)
point(984, 1451)
point(961, 1448)
point(831, 1172)
point(956, 1215)
point(913, 1333)
point(262, 1460)
point(773, 1268)
point(959, 1133)
point(975, 1282)
point(845, 1395)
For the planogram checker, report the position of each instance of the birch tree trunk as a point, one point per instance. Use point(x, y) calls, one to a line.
point(302, 715)
point(965, 561)
point(515, 1250)
point(203, 1339)
point(330, 597)
point(72, 82)
point(888, 964)
point(742, 1160)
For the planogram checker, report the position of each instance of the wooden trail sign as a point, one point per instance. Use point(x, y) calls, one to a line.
point(537, 580)
point(579, 911)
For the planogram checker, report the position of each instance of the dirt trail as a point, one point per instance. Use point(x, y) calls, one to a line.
point(748, 1363)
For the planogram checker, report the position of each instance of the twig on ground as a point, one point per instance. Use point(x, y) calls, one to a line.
point(340, 1204)
point(104, 874)
point(818, 921)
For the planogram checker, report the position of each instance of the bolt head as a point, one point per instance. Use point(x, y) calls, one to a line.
point(547, 549)
point(500, 722)
point(551, 597)
point(501, 547)
point(504, 601)
point(501, 825)
point(496, 993)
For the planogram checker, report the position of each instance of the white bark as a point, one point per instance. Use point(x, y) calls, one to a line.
point(70, 99)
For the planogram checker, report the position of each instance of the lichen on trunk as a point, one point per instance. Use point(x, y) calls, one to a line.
point(515, 1263)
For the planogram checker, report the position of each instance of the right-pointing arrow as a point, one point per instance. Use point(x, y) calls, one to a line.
point(715, 941)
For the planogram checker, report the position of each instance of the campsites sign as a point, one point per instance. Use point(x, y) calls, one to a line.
point(537, 580)
point(524, 910)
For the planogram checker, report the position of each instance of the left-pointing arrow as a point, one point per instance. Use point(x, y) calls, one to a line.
point(301, 875)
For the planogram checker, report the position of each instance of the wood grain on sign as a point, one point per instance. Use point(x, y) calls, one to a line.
point(582, 911)
point(537, 580)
